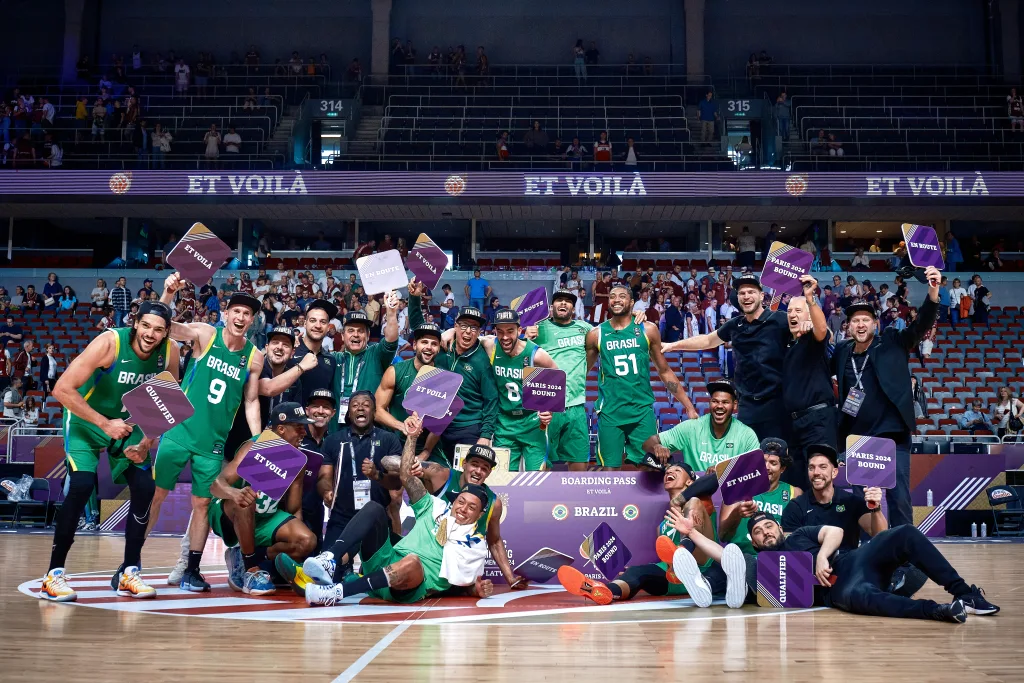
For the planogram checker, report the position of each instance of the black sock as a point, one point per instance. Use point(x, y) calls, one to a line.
point(688, 544)
point(141, 487)
point(616, 590)
point(255, 559)
point(365, 584)
point(194, 557)
point(80, 485)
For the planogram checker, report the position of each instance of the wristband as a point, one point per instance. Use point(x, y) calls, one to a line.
point(255, 438)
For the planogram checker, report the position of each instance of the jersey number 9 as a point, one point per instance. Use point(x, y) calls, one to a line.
point(217, 389)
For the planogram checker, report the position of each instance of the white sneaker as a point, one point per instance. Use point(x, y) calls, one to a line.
point(324, 596)
point(320, 568)
point(735, 567)
point(174, 578)
point(687, 571)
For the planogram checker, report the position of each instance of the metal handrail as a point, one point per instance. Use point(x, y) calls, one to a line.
point(220, 71)
point(131, 162)
point(855, 162)
point(403, 162)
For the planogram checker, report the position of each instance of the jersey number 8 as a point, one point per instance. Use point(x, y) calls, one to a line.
point(217, 389)
point(513, 392)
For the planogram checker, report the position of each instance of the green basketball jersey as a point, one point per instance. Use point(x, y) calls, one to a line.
point(107, 386)
point(624, 385)
point(567, 345)
point(508, 377)
point(450, 491)
point(405, 373)
point(215, 384)
point(265, 505)
point(772, 502)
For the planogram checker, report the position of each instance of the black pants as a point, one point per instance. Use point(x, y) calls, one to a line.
point(651, 578)
point(313, 518)
point(453, 437)
point(863, 575)
point(767, 421)
point(815, 427)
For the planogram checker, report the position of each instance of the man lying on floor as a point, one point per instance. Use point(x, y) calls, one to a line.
point(444, 552)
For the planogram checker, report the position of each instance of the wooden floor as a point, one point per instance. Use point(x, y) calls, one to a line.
point(546, 636)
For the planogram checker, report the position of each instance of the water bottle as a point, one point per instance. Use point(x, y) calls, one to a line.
point(931, 500)
point(984, 530)
point(974, 529)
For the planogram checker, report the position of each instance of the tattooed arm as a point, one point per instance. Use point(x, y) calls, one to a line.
point(413, 486)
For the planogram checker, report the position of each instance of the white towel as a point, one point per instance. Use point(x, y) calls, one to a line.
point(465, 551)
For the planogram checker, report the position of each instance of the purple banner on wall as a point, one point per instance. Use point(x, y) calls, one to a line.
point(551, 184)
point(785, 579)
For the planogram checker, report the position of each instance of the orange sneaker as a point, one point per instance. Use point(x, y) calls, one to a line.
point(576, 583)
point(666, 549)
point(55, 587)
point(131, 585)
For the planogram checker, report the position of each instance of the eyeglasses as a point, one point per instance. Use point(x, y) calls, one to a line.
point(465, 327)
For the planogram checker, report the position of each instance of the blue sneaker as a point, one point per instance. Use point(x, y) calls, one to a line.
point(194, 582)
point(320, 568)
point(257, 582)
point(236, 567)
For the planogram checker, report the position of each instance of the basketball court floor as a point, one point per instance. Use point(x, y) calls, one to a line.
point(542, 634)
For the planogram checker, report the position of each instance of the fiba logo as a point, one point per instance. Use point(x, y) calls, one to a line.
point(560, 512)
point(796, 185)
point(455, 185)
point(630, 512)
point(120, 183)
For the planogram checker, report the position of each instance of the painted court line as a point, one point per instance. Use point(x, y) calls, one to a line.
point(357, 666)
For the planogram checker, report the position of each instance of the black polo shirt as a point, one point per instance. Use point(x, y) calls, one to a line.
point(312, 504)
point(344, 443)
point(320, 377)
point(844, 511)
point(239, 433)
point(808, 377)
point(758, 348)
point(878, 415)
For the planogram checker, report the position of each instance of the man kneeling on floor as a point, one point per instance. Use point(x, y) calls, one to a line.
point(443, 552)
point(857, 581)
point(254, 527)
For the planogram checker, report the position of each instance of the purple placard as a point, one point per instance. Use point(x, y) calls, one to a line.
point(953, 189)
point(271, 465)
point(608, 552)
point(312, 469)
point(198, 255)
point(432, 392)
point(157, 405)
point(436, 425)
point(543, 565)
point(743, 477)
point(427, 261)
point(785, 579)
point(532, 307)
point(544, 390)
point(783, 268)
point(871, 461)
point(382, 272)
point(923, 246)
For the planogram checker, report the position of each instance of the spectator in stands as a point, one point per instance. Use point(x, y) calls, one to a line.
point(602, 150)
point(575, 151)
point(67, 301)
point(24, 149)
point(982, 298)
point(364, 249)
point(295, 64)
point(13, 401)
point(1015, 110)
point(860, 260)
point(31, 302)
point(483, 65)
point(836, 317)
point(232, 141)
point(835, 147)
point(120, 301)
point(142, 142)
point(458, 62)
point(953, 255)
point(643, 303)
point(492, 307)
point(182, 77)
point(783, 111)
point(536, 140)
point(252, 59)
point(161, 146)
point(48, 370)
point(629, 158)
point(579, 62)
point(30, 414)
point(994, 262)
point(746, 248)
point(99, 120)
point(23, 365)
point(212, 142)
point(5, 300)
point(744, 153)
point(959, 303)
point(974, 419)
point(477, 290)
point(592, 54)
point(11, 333)
point(944, 300)
point(708, 115)
point(1007, 413)
point(53, 153)
point(51, 290)
point(501, 146)
point(99, 296)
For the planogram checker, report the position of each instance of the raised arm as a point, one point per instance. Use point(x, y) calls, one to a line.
point(668, 377)
point(412, 484)
point(819, 326)
point(700, 342)
point(390, 327)
point(384, 395)
point(252, 394)
point(926, 313)
point(272, 386)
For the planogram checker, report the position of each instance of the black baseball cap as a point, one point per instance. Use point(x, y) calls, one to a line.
point(747, 279)
point(477, 491)
point(357, 318)
point(773, 445)
point(247, 300)
point(325, 394)
point(478, 450)
point(471, 312)
point(148, 279)
point(282, 332)
point(324, 305)
point(289, 412)
point(823, 449)
point(721, 385)
point(564, 294)
point(506, 316)
point(426, 330)
point(860, 307)
point(158, 308)
point(758, 518)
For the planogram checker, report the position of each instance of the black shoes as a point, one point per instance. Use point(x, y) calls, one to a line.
point(975, 603)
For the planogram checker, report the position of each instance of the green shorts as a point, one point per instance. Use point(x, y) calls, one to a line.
point(171, 458)
point(84, 441)
point(614, 440)
point(524, 439)
point(384, 556)
point(569, 435)
point(266, 525)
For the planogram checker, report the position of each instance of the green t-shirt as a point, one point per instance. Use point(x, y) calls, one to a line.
point(422, 541)
point(701, 450)
point(772, 502)
point(567, 345)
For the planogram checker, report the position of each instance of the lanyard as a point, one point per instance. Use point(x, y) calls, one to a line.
point(355, 376)
point(859, 373)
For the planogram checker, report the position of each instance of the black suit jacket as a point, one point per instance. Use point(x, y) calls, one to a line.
point(890, 356)
point(44, 368)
